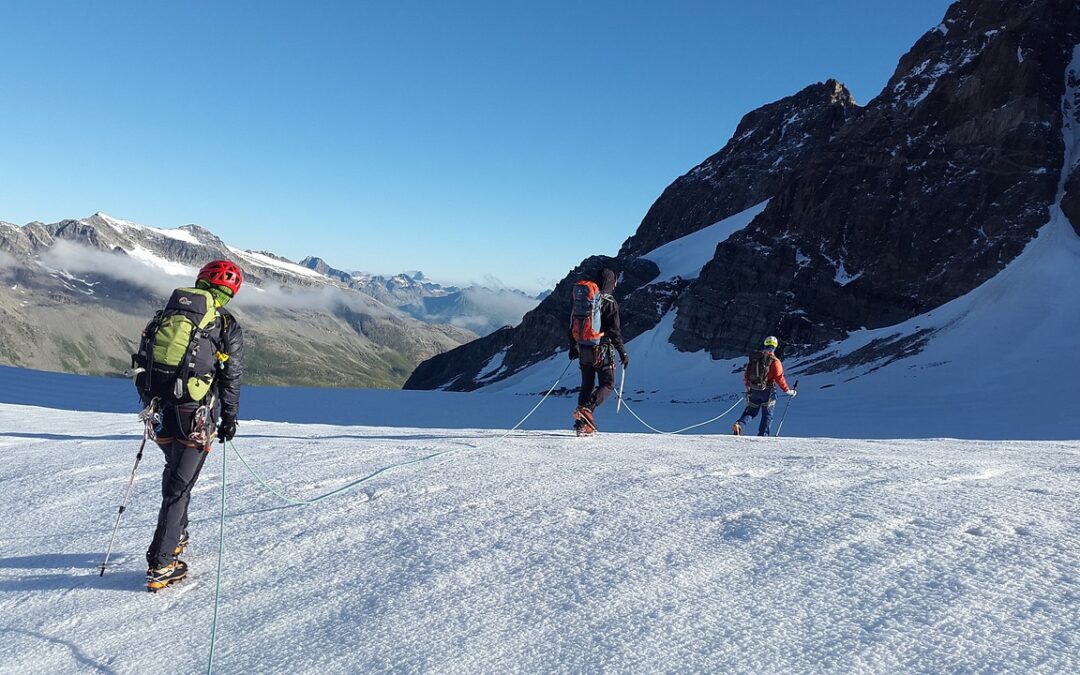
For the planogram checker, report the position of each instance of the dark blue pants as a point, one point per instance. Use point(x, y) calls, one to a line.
point(763, 402)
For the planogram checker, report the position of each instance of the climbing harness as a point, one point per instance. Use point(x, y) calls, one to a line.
point(202, 425)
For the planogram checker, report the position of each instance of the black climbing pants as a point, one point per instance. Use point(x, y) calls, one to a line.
point(183, 462)
point(597, 365)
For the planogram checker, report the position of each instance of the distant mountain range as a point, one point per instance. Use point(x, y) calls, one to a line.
point(74, 296)
point(479, 309)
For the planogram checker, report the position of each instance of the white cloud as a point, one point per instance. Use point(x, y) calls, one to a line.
point(79, 259)
point(322, 299)
point(7, 261)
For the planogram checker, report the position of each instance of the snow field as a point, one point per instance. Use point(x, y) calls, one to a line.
point(545, 553)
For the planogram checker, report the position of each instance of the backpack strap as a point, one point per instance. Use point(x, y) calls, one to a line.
point(186, 364)
point(768, 361)
point(146, 348)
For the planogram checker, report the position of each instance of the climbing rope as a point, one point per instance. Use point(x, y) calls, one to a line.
point(364, 479)
point(350, 486)
point(677, 431)
point(314, 500)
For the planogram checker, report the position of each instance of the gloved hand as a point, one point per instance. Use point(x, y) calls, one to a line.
point(625, 358)
point(791, 393)
point(226, 428)
point(573, 353)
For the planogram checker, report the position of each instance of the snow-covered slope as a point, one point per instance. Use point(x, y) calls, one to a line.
point(684, 257)
point(544, 553)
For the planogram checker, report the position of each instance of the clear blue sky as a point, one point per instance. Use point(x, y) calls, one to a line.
point(462, 138)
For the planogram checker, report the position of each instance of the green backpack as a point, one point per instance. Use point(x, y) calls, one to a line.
point(177, 353)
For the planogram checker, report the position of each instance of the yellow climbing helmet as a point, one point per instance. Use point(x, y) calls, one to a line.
point(771, 341)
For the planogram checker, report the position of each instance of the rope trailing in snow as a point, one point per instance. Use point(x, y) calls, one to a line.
point(304, 502)
point(355, 483)
point(350, 486)
point(678, 431)
point(344, 488)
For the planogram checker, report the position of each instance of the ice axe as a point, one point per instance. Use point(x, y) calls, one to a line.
point(796, 388)
point(622, 386)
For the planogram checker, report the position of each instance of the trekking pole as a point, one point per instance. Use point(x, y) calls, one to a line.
point(796, 388)
point(622, 387)
point(147, 416)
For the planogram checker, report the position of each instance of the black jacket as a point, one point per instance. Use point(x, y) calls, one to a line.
point(231, 342)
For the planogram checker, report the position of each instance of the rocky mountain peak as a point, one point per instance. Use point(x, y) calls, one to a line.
point(838, 93)
point(768, 144)
point(317, 264)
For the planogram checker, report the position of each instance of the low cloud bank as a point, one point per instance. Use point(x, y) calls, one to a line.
point(77, 259)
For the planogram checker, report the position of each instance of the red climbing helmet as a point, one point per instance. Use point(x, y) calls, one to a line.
point(222, 273)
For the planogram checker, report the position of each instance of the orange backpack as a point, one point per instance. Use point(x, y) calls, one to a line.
point(585, 313)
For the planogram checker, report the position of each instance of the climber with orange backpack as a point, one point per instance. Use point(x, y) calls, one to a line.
point(596, 337)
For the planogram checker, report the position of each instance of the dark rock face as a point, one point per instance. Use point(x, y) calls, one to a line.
point(448, 373)
point(938, 184)
point(1070, 202)
point(768, 143)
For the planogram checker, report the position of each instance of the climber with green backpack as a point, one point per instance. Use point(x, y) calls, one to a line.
point(187, 372)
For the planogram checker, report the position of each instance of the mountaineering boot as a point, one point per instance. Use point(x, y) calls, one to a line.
point(736, 429)
point(181, 545)
point(585, 417)
point(159, 578)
